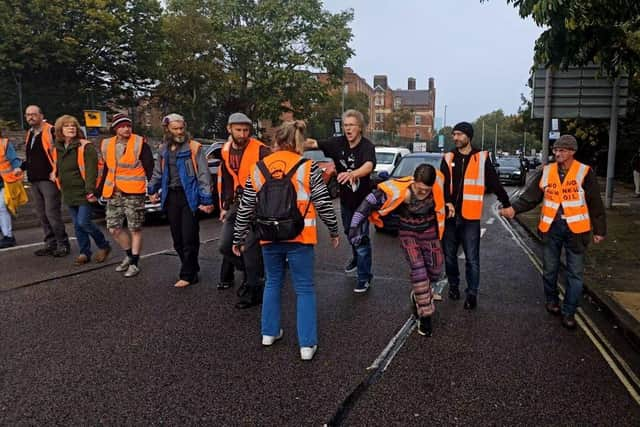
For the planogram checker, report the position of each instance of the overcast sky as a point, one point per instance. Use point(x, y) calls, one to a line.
point(479, 54)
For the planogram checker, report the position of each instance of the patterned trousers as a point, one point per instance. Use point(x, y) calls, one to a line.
point(425, 257)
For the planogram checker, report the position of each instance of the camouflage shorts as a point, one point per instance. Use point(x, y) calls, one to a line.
point(129, 206)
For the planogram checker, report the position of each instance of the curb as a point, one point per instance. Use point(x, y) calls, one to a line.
point(629, 326)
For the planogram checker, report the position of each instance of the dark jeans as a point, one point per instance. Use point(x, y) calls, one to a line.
point(466, 232)
point(554, 240)
point(251, 260)
point(185, 231)
point(362, 252)
point(48, 204)
point(84, 226)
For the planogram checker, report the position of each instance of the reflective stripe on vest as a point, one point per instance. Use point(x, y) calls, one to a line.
point(6, 170)
point(126, 173)
point(302, 183)
point(473, 185)
point(568, 193)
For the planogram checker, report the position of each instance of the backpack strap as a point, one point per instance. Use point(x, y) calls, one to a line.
point(265, 172)
point(290, 174)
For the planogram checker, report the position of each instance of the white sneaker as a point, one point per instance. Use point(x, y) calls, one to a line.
point(270, 339)
point(437, 297)
point(132, 270)
point(306, 353)
point(124, 265)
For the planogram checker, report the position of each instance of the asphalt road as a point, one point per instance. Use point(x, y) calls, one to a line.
point(84, 346)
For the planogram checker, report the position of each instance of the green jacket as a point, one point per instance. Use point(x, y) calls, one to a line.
point(74, 189)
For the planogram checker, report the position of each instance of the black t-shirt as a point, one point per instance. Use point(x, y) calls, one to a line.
point(348, 159)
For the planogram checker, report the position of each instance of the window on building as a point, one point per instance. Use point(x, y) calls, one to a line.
point(379, 100)
point(418, 119)
point(379, 117)
point(397, 103)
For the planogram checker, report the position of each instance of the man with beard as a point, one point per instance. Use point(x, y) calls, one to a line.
point(129, 163)
point(239, 156)
point(182, 173)
point(355, 159)
point(468, 175)
point(40, 164)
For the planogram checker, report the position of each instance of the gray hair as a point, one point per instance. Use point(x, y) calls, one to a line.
point(356, 115)
point(173, 117)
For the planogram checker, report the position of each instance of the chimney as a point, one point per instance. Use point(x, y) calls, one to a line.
point(432, 84)
point(380, 80)
point(411, 83)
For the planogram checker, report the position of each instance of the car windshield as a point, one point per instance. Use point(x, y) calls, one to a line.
point(316, 155)
point(408, 164)
point(384, 158)
point(511, 162)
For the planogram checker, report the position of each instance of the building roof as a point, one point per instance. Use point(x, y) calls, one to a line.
point(413, 97)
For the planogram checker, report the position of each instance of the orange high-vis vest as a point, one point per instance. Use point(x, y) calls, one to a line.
point(194, 147)
point(396, 192)
point(47, 145)
point(81, 164)
point(569, 194)
point(473, 187)
point(283, 161)
point(6, 170)
point(126, 173)
point(250, 157)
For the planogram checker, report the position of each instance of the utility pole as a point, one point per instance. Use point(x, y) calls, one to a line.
point(524, 146)
point(482, 148)
point(445, 116)
point(345, 89)
point(495, 149)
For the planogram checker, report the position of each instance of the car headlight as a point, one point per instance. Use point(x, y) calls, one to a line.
point(516, 172)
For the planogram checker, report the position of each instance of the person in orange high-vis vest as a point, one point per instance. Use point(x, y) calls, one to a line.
point(40, 165)
point(571, 209)
point(469, 174)
point(10, 174)
point(239, 156)
point(128, 165)
point(419, 203)
point(312, 201)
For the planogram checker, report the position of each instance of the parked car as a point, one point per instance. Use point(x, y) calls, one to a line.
point(328, 167)
point(511, 170)
point(406, 167)
point(388, 158)
point(212, 153)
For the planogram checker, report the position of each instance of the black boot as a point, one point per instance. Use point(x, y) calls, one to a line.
point(424, 326)
point(250, 298)
point(471, 302)
point(454, 292)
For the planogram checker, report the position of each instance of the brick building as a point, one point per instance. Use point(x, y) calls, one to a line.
point(420, 102)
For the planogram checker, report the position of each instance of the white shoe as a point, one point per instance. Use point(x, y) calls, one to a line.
point(132, 270)
point(437, 297)
point(124, 265)
point(306, 353)
point(270, 339)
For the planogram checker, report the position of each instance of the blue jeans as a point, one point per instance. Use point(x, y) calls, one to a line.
point(300, 259)
point(362, 252)
point(554, 240)
point(466, 232)
point(81, 217)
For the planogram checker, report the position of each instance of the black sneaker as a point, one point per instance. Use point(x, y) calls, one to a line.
point(352, 266)
point(61, 252)
point(424, 326)
point(251, 298)
point(470, 302)
point(46, 251)
point(454, 292)
point(7, 242)
point(224, 285)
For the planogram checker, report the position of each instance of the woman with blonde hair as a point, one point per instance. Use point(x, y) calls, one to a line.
point(296, 250)
point(77, 177)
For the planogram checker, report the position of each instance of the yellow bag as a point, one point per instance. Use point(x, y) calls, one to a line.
point(14, 196)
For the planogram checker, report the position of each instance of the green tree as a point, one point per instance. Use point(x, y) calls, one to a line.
point(321, 119)
point(394, 120)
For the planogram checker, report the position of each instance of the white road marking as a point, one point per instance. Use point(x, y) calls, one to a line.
point(394, 345)
point(490, 221)
point(482, 231)
point(30, 245)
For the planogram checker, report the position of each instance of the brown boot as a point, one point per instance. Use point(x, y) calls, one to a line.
point(81, 259)
point(102, 254)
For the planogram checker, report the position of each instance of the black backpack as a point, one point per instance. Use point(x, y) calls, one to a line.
point(277, 215)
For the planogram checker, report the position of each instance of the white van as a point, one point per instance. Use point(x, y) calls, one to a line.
point(388, 157)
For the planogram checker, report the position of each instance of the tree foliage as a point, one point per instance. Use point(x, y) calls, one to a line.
point(321, 119)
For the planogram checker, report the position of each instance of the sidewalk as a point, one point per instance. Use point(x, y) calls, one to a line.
point(612, 268)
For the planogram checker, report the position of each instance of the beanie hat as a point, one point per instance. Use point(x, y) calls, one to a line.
point(465, 128)
point(567, 142)
point(120, 119)
point(239, 118)
point(173, 117)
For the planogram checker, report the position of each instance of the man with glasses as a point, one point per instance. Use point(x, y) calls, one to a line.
point(40, 165)
point(571, 210)
point(355, 158)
